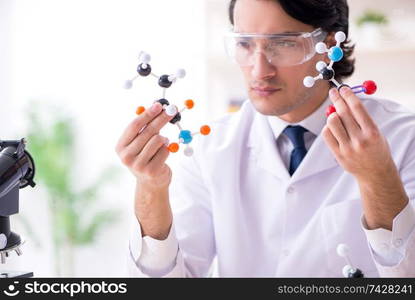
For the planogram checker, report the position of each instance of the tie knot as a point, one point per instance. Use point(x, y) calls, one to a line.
point(296, 135)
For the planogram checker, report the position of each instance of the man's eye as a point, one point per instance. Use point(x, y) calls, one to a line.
point(243, 45)
point(284, 44)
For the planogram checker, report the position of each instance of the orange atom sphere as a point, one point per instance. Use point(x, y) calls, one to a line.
point(140, 110)
point(189, 104)
point(173, 147)
point(205, 130)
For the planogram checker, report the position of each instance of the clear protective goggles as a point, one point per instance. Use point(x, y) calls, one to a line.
point(287, 49)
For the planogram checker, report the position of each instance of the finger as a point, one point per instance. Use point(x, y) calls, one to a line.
point(343, 110)
point(337, 129)
point(330, 139)
point(155, 125)
point(135, 126)
point(149, 131)
point(159, 158)
point(149, 150)
point(358, 110)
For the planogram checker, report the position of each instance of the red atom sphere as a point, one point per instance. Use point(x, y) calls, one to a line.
point(370, 87)
point(331, 109)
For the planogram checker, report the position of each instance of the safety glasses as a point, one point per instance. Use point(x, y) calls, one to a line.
point(288, 49)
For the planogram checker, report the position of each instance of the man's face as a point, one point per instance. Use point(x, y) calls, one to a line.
point(274, 90)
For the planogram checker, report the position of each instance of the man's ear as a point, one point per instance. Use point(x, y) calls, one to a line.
point(330, 40)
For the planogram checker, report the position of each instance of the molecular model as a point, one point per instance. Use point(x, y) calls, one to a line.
point(349, 271)
point(165, 81)
point(335, 54)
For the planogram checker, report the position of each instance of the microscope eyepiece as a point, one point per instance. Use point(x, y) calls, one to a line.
point(16, 166)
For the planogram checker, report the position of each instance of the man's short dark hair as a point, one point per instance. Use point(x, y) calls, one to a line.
point(330, 15)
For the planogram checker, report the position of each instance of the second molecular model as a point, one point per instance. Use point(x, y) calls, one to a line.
point(165, 81)
point(335, 54)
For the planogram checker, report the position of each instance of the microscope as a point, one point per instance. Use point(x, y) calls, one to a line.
point(17, 170)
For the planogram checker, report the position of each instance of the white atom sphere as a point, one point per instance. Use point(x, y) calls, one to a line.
point(145, 58)
point(172, 78)
point(171, 110)
point(320, 65)
point(342, 250)
point(340, 36)
point(346, 270)
point(180, 73)
point(128, 84)
point(308, 81)
point(188, 151)
point(321, 48)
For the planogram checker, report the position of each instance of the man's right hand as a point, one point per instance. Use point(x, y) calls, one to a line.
point(145, 152)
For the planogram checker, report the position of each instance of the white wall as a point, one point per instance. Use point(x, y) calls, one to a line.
point(77, 54)
point(386, 56)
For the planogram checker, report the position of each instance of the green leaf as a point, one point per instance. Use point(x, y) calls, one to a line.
point(372, 16)
point(52, 143)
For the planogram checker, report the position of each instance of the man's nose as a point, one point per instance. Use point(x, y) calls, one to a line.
point(262, 68)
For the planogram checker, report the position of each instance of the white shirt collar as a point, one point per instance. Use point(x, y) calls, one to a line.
point(314, 123)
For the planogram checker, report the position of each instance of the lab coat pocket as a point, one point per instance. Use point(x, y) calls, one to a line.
point(341, 224)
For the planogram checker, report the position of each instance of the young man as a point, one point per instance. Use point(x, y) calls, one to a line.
point(278, 186)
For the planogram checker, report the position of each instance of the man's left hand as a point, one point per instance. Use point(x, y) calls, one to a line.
point(354, 138)
point(362, 150)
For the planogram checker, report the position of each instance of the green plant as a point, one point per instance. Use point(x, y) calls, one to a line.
point(76, 220)
point(372, 16)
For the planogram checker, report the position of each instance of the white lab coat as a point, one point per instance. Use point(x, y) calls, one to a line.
point(235, 200)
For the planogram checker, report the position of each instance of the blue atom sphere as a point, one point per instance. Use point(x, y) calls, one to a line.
point(336, 54)
point(186, 135)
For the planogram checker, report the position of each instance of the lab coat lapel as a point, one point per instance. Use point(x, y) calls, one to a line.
point(263, 145)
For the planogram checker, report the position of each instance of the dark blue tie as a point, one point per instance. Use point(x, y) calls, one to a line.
point(296, 136)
